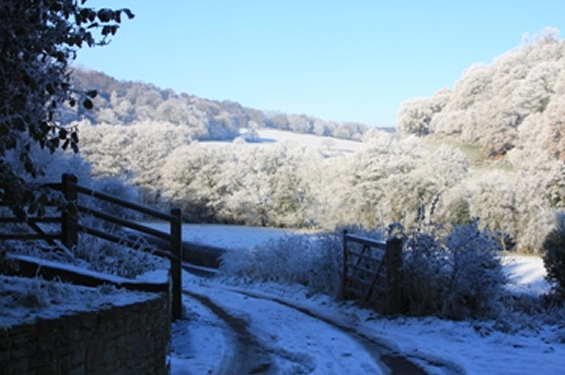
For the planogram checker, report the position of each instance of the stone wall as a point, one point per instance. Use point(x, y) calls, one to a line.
point(131, 339)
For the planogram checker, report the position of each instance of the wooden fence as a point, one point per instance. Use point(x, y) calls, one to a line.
point(70, 226)
point(372, 272)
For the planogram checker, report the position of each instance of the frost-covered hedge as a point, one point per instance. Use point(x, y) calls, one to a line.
point(311, 261)
point(455, 274)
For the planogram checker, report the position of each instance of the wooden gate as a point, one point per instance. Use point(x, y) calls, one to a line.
point(372, 272)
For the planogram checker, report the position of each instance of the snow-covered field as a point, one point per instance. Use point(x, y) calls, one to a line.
point(228, 237)
point(272, 136)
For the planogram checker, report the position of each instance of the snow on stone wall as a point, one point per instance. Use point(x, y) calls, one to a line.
point(129, 339)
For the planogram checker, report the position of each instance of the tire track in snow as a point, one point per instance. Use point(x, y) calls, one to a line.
point(247, 355)
point(250, 356)
point(394, 362)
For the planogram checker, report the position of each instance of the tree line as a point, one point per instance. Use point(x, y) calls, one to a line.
point(126, 102)
point(512, 183)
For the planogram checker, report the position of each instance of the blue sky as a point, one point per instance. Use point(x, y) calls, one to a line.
point(347, 60)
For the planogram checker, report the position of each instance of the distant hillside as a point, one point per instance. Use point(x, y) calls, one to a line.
point(127, 102)
point(516, 102)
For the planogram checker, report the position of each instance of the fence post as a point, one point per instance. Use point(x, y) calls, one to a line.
point(393, 262)
point(69, 233)
point(344, 277)
point(176, 259)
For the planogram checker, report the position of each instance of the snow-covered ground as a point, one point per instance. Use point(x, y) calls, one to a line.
point(307, 334)
point(273, 136)
point(314, 347)
point(295, 332)
point(526, 274)
point(227, 237)
point(23, 300)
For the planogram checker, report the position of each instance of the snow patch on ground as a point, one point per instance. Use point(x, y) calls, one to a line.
point(468, 347)
point(22, 300)
point(526, 274)
point(267, 137)
point(198, 342)
point(228, 237)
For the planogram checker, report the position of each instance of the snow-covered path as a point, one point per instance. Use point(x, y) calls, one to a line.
point(204, 343)
point(260, 336)
point(244, 353)
point(295, 332)
point(255, 333)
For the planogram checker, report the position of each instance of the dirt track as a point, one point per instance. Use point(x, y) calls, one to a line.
point(249, 355)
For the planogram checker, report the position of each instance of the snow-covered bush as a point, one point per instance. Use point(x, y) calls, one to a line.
point(554, 255)
point(115, 259)
point(92, 253)
point(311, 261)
point(315, 261)
point(117, 188)
point(455, 275)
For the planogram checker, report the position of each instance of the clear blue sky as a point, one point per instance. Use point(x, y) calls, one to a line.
point(346, 60)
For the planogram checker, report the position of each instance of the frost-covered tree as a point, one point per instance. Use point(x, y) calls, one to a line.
point(193, 179)
point(391, 179)
point(269, 185)
point(415, 115)
point(299, 123)
point(150, 145)
point(39, 39)
point(555, 188)
point(555, 115)
point(104, 146)
point(136, 153)
point(290, 185)
point(174, 111)
point(493, 200)
point(490, 103)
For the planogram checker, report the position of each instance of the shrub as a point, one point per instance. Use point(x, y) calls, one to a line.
point(313, 261)
point(554, 255)
point(117, 188)
point(455, 274)
point(115, 259)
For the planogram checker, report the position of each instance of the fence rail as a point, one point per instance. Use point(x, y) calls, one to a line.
point(372, 272)
point(70, 227)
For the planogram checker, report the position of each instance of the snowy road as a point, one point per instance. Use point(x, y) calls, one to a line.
point(244, 353)
point(259, 334)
